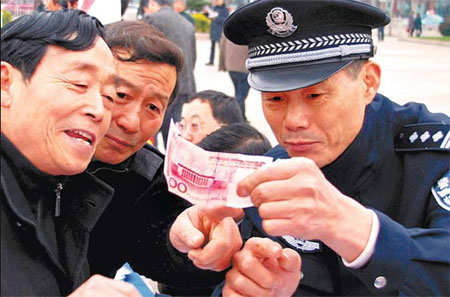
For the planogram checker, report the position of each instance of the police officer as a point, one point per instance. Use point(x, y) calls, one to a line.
point(363, 195)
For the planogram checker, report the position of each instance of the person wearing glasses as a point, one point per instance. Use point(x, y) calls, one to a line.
point(206, 112)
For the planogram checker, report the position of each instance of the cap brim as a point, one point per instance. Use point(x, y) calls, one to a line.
point(293, 77)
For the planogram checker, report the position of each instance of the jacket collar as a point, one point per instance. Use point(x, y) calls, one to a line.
point(33, 183)
point(83, 201)
point(147, 162)
point(144, 162)
point(357, 165)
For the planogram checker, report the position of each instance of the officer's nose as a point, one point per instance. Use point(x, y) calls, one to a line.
point(298, 116)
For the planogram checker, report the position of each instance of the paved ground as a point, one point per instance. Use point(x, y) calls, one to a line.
point(412, 71)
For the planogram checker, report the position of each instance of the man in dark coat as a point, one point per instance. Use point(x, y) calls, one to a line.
point(217, 15)
point(417, 25)
point(177, 29)
point(142, 209)
point(57, 88)
point(363, 195)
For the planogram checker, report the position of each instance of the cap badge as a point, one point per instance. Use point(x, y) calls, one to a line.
point(280, 22)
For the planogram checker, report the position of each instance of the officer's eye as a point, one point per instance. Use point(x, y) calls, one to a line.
point(313, 96)
point(276, 98)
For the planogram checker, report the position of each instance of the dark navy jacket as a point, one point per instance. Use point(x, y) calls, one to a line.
point(141, 213)
point(391, 167)
point(217, 23)
point(44, 255)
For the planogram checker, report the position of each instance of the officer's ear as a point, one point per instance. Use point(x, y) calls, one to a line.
point(7, 81)
point(371, 76)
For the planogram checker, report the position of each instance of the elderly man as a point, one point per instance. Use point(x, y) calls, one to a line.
point(57, 92)
point(363, 195)
point(142, 209)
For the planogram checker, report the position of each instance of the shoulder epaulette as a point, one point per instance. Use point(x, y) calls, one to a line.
point(420, 137)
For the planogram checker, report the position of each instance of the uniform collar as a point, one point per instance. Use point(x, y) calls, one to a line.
point(357, 165)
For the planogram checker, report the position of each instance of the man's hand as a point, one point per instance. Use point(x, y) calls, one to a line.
point(208, 234)
point(263, 268)
point(99, 286)
point(294, 198)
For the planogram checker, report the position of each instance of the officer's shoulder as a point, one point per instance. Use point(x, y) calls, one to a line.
point(423, 137)
point(420, 129)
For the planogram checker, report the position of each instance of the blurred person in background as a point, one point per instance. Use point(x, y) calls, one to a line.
point(177, 29)
point(206, 112)
point(180, 7)
point(73, 4)
point(52, 5)
point(217, 14)
point(417, 26)
point(232, 59)
point(410, 27)
point(123, 6)
point(140, 11)
point(39, 5)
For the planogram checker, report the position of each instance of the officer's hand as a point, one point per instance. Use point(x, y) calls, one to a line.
point(261, 269)
point(209, 235)
point(98, 286)
point(294, 198)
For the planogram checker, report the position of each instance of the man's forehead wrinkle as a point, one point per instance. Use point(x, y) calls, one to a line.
point(152, 90)
point(90, 67)
point(125, 82)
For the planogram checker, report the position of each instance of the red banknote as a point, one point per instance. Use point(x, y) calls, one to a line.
point(203, 177)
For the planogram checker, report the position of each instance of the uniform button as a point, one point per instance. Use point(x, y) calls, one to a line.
point(21, 226)
point(301, 275)
point(380, 282)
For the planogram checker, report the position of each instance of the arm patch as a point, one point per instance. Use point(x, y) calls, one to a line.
point(441, 191)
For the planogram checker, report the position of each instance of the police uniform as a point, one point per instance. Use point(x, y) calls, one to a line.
point(397, 166)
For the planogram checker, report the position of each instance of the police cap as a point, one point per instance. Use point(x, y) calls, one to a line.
point(298, 43)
